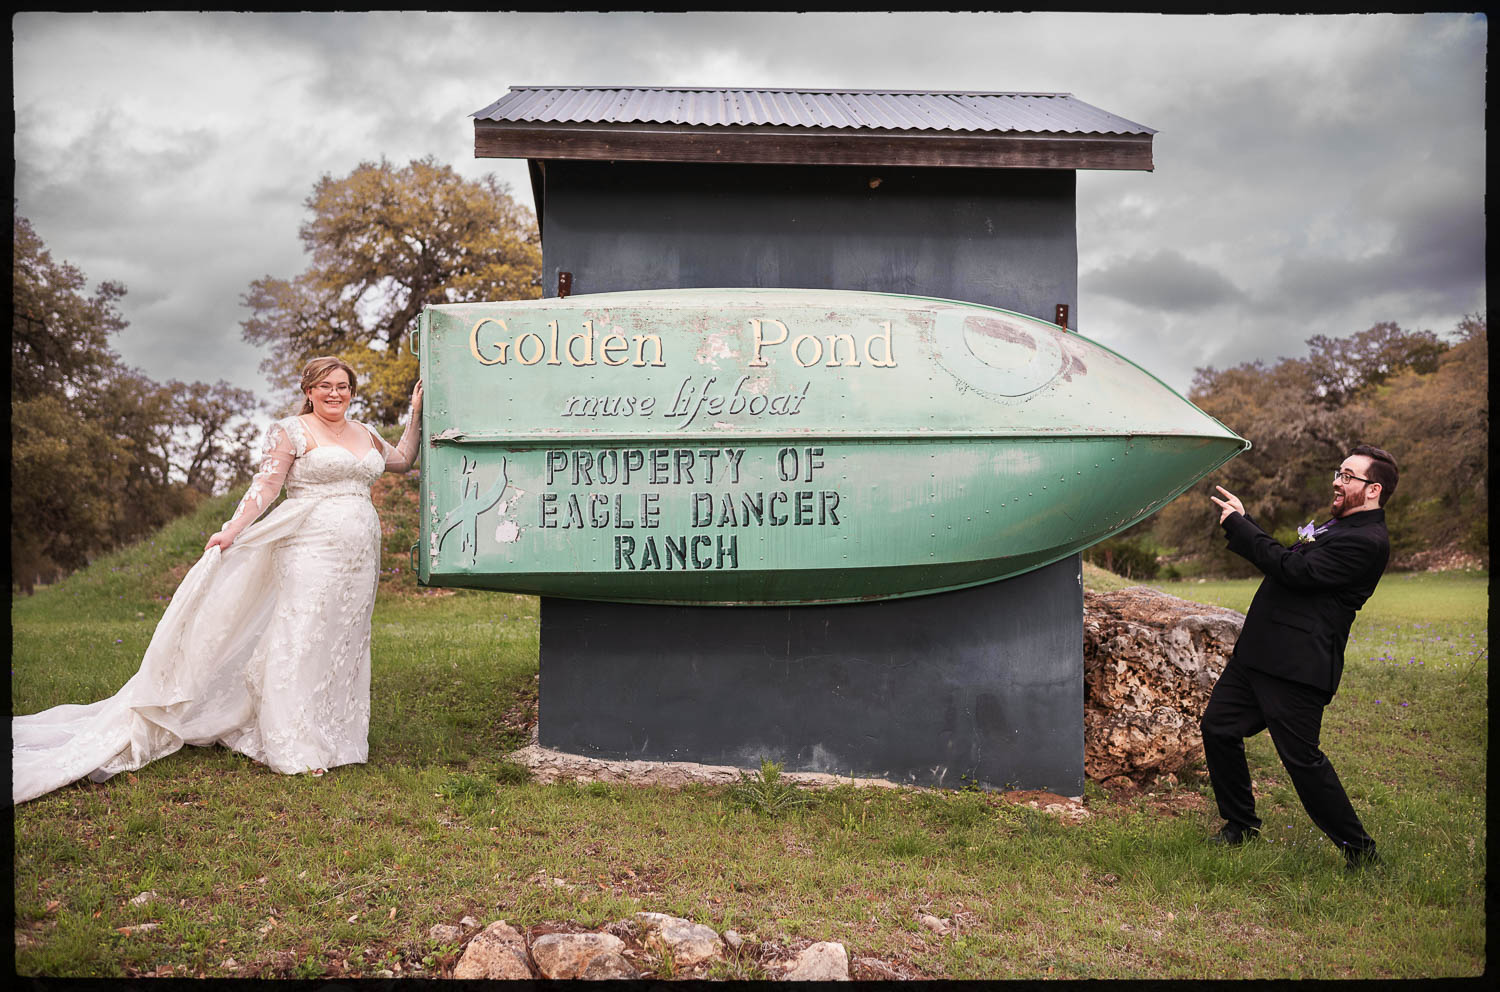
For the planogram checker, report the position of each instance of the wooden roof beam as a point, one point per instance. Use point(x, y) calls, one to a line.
point(812, 146)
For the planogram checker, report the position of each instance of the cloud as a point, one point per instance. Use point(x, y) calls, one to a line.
point(1314, 174)
point(1433, 256)
point(1164, 280)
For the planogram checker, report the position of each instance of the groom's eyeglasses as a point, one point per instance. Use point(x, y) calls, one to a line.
point(1348, 477)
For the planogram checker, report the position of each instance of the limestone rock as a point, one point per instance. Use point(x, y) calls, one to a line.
point(825, 961)
point(547, 765)
point(874, 969)
point(689, 943)
point(144, 898)
point(567, 955)
point(1150, 661)
point(607, 966)
point(444, 934)
point(497, 951)
point(933, 923)
point(733, 939)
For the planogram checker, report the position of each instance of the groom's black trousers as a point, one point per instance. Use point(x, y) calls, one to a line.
point(1245, 702)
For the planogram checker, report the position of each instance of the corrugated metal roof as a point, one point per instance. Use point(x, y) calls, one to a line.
point(878, 110)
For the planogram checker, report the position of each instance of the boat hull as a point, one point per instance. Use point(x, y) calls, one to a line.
point(877, 481)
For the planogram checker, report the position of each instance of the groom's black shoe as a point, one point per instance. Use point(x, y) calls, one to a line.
point(1234, 834)
point(1358, 860)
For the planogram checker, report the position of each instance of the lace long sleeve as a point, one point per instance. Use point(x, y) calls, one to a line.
point(403, 456)
point(276, 460)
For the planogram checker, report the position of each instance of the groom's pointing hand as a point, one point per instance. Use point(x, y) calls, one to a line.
point(1229, 504)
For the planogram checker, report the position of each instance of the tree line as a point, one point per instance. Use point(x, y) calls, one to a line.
point(1421, 397)
point(101, 454)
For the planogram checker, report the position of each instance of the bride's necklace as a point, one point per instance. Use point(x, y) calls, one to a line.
point(337, 434)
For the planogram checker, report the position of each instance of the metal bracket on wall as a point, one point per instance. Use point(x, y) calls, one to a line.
point(564, 284)
point(1062, 316)
point(411, 341)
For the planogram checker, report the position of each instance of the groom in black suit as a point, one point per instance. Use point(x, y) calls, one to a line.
point(1290, 654)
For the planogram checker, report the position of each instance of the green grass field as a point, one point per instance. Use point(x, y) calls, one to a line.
point(270, 876)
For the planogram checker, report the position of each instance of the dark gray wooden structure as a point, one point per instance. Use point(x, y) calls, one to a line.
point(960, 196)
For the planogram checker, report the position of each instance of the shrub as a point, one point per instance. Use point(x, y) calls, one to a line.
point(1124, 556)
point(767, 793)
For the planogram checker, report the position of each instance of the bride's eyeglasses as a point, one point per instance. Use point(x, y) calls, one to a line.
point(324, 387)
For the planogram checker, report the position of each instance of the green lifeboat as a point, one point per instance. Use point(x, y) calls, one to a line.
point(778, 446)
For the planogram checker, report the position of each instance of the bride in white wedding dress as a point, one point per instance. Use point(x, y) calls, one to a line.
point(265, 646)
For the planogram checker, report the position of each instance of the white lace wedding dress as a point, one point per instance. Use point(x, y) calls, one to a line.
point(264, 648)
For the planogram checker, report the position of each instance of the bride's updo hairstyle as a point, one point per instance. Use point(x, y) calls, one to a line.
point(319, 369)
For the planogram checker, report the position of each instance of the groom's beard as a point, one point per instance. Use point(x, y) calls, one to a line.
point(1343, 505)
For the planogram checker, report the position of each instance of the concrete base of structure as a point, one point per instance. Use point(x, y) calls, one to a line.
point(982, 685)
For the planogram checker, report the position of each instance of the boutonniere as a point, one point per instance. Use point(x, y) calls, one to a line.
point(1305, 533)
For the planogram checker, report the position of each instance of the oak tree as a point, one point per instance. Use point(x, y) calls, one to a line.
point(211, 444)
point(1418, 396)
point(100, 454)
point(1342, 367)
point(59, 331)
point(383, 242)
point(1437, 423)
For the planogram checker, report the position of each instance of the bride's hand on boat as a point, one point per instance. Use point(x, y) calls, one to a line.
point(221, 539)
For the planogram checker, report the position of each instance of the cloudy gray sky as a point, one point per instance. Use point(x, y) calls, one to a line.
point(1314, 175)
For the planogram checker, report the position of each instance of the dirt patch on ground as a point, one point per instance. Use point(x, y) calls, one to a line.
point(1063, 807)
point(1163, 798)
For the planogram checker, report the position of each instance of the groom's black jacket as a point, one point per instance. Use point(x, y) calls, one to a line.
point(1299, 619)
